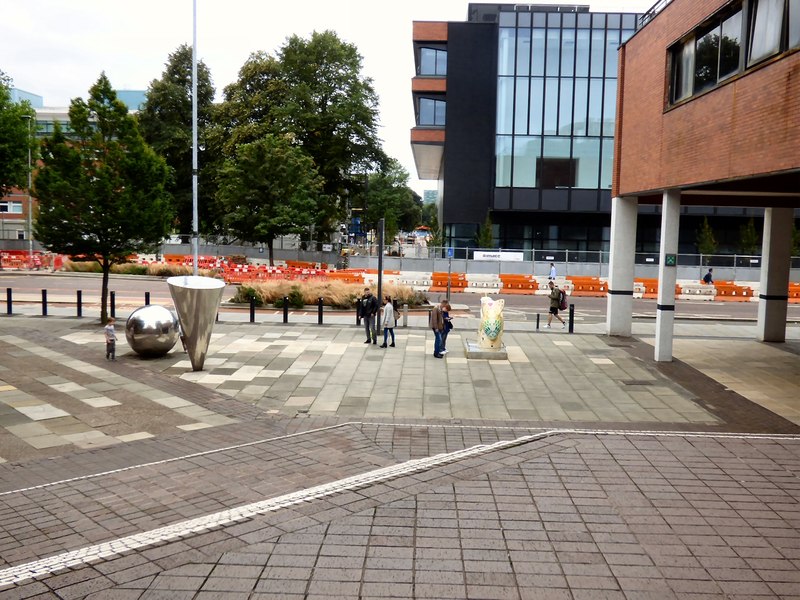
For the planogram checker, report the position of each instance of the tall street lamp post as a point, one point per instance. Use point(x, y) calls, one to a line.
point(30, 199)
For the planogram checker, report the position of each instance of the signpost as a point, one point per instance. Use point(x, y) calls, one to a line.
point(449, 269)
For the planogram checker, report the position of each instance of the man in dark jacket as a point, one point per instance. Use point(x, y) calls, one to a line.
point(368, 311)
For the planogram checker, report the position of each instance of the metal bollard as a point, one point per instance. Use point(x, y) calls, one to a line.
point(112, 308)
point(571, 327)
point(252, 310)
point(44, 303)
point(286, 309)
point(79, 303)
point(9, 301)
point(537, 321)
point(147, 298)
point(319, 311)
point(405, 315)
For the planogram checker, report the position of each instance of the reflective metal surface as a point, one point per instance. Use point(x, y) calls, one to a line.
point(152, 331)
point(197, 301)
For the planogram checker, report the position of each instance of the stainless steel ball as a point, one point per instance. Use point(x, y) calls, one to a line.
point(152, 331)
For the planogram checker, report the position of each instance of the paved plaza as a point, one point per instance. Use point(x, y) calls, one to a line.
point(303, 463)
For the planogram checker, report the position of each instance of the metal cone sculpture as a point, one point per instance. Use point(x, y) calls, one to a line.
point(196, 300)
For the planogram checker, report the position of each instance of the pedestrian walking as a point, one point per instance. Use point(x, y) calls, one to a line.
point(436, 323)
point(552, 276)
point(368, 311)
point(448, 325)
point(555, 304)
point(708, 278)
point(388, 321)
point(111, 339)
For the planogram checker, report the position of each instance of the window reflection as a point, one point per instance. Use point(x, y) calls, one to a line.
point(706, 54)
point(586, 152)
point(506, 51)
point(766, 33)
point(527, 150)
point(505, 104)
point(432, 62)
point(730, 45)
point(503, 161)
point(431, 112)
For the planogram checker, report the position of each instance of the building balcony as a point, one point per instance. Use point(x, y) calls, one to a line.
point(427, 145)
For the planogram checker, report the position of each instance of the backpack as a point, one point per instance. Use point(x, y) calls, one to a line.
point(562, 300)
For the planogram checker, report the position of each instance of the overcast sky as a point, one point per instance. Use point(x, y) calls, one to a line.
point(57, 48)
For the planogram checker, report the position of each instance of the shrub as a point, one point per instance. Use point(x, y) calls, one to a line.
point(245, 293)
point(82, 266)
point(334, 293)
point(129, 269)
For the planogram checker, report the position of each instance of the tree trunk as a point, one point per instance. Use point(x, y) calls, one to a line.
point(104, 291)
point(270, 242)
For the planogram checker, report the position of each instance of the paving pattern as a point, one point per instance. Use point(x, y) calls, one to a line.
point(303, 463)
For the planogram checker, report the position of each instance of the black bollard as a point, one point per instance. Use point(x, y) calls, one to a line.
point(79, 303)
point(286, 309)
point(319, 311)
point(571, 328)
point(147, 298)
point(252, 310)
point(44, 303)
point(113, 308)
point(537, 321)
point(9, 302)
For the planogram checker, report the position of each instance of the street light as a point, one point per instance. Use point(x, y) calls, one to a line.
point(30, 199)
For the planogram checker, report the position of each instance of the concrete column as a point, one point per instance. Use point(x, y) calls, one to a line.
point(619, 309)
point(773, 296)
point(667, 275)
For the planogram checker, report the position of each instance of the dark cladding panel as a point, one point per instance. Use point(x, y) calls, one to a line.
point(470, 129)
point(526, 199)
point(584, 201)
point(555, 200)
point(502, 198)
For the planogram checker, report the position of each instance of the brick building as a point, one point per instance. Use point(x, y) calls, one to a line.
point(708, 117)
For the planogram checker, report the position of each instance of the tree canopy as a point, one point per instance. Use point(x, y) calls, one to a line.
point(17, 121)
point(166, 124)
point(270, 188)
point(389, 197)
point(102, 192)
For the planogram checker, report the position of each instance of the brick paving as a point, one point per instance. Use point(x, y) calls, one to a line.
point(614, 477)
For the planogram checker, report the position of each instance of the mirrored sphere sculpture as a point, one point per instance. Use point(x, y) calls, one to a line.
point(152, 331)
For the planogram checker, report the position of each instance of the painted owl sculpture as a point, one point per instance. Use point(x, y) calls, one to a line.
point(490, 332)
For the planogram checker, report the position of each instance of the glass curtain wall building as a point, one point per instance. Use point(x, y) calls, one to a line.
point(535, 150)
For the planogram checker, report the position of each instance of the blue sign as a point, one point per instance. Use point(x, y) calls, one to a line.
point(450, 252)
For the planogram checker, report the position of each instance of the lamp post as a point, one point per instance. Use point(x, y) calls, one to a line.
point(30, 199)
point(195, 219)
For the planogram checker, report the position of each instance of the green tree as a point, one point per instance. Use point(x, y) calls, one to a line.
point(331, 110)
point(706, 242)
point(166, 124)
point(485, 236)
point(748, 238)
point(102, 192)
point(15, 139)
point(430, 214)
point(270, 188)
point(389, 197)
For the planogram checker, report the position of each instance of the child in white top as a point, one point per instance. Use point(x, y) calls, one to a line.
point(111, 339)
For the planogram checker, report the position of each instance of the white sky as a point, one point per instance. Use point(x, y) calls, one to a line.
point(57, 48)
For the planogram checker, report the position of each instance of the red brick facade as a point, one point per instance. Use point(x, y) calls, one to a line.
point(747, 126)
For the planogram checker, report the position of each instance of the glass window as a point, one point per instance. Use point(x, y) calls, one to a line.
point(551, 106)
point(581, 106)
point(765, 39)
point(536, 107)
point(730, 45)
point(598, 46)
point(554, 19)
point(794, 23)
point(521, 106)
point(523, 51)
point(506, 52)
point(582, 53)
point(553, 44)
point(568, 20)
point(607, 163)
point(629, 21)
point(432, 62)
point(567, 52)
point(613, 21)
point(598, 20)
point(584, 20)
point(683, 67)
point(612, 46)
point(595, 106)
point(431, 112)
point(555, 168)
point(609, 106)
point(537, 50)
point(527, 150)
point(565, 108)
point(706, 53)
point(626, 35)
point(586, 155)
point(507, 19)
point(503, 161)
point(505, 104)
point(539, 19)
point(523, 19)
